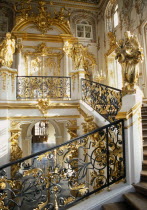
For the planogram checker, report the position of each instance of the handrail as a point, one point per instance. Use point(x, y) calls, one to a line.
point(57, 146)
point(34, 87)
point(63, 175)
point(107, 86)
point(104, 99)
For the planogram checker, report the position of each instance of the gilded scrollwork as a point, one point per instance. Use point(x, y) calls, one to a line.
point(43, 21)
point(129, 54)
point(31, 87)
point(56, 178)
point(101, 98)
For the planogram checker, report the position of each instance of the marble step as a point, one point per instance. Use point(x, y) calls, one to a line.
point(144, 165)
point(144, 175)
point(144, 154)
point(116, 206)
point(136, 201)
point(145, 146)
point(141, 187)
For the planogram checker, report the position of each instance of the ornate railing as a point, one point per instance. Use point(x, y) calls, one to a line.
point(32, 87)
point(103, 99)
point(58, 177)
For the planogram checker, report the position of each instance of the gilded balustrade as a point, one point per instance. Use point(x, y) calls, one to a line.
point(103, 99)
point(55, 181)
point(35, 87)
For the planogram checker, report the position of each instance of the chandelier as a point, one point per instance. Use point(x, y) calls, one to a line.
point(100, 75)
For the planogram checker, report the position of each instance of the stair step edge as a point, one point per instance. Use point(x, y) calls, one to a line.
point(136, 200)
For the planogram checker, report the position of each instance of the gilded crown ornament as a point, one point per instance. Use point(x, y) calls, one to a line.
point(129, 54)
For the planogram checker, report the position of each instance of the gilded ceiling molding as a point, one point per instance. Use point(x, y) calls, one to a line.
point(76, 5)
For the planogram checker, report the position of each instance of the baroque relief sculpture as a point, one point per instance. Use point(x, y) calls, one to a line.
point(7, 49)
point(78, 53)
point(129, 54)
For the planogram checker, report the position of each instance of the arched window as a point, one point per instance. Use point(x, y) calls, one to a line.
point(84, 30)
point(40, 129)
point(115, 16)
point(111, 16)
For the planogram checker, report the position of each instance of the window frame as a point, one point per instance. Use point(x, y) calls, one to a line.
point(86, 24)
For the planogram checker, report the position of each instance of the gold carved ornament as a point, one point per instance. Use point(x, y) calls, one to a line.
point(129, 54)
point(43, 21)
point(78, 53)
point(16, 152)
point(43, 105)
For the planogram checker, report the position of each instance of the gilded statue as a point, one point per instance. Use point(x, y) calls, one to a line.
point(7, 49)
point(78, 56)
point(76, 52)
point(129, 54)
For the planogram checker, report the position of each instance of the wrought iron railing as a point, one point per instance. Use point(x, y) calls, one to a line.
point(32, 87)
point(103, 99)
point(60, 176)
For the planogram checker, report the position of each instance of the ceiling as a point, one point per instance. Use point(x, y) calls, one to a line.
point(87, 1)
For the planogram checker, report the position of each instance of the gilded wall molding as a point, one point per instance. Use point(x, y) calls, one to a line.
point(39, 117)
point(33, 106)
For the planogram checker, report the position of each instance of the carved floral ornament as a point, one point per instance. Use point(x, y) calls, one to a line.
point(43, 21)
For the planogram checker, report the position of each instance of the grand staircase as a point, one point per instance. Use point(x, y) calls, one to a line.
point(138, 199)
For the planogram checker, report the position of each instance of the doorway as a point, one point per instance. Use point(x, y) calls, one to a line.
point(43, 136)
